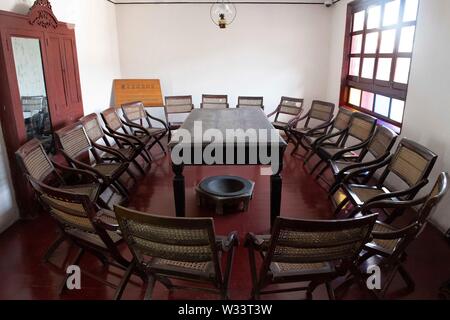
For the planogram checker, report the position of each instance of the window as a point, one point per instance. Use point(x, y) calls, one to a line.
point(378, 52)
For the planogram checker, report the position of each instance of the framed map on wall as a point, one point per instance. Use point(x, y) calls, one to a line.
point(130, 90)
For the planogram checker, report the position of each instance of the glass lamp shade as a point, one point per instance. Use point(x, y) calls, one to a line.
point(223, 13)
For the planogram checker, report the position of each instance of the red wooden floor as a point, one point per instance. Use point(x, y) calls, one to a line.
point(25, 276)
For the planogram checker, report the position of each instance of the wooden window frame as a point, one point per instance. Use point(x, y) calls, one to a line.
point(390, 89)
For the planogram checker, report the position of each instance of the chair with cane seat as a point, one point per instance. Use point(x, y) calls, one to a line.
point(167, 248)
point(412, 164)
point(313, 251)
point(140, 122)
point(95, 133)
point(77, 149)
point(85, 225)
point(352, 144)
point(214, 101)
point(390, 243)
point(315, 122)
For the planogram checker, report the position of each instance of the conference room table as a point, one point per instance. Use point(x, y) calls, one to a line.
point(255, 142)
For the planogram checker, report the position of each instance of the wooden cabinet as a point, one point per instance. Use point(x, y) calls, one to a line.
point(40, 88)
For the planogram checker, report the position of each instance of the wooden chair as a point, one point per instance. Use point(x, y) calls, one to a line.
point(313, 251)
point(77, 148)
point(289, 110)
point(378, 150)
point(85, 225)
point(244, 102)
point(35, 162)
point(117, 127)
point(177, 248)
point(391, 242)
point(339, 124)
point(411, 163)
point(214, 101)
point(321, 112)
point(141, 125)
point(177, 106)
point(126, 148)
point(355, 138)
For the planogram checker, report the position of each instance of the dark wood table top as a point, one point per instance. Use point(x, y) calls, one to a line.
point(234, 119)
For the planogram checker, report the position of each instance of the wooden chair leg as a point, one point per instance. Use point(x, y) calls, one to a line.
point(330, 291)
point(124, 281)
point(308, 157)
point(161, 146)
point(312, 286)
point(322, 172)
point(150, 287)
point(53, 248)
point(316, 167)
point(138, 166)
point(166, 283)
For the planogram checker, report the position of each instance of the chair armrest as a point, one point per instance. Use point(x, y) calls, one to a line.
point(392, 204)
point(294, 122)
point(340, 154)
point(320, 127)
point(413, 190)
point(101, 220)
point(351, 167)
point(84, 173)
point(136, 127)
point(370, 168)
point(394, 234)
point(273, 112)
point(321, 140)
point(110, 150)
point(84, 166)
point(120, 138)
point(258, 243)
point(231, 241)
point(131, 139)
point(157, 119)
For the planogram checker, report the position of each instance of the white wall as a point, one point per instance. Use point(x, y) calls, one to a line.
point(269, 50)
point(428, 102)
point(98, 57)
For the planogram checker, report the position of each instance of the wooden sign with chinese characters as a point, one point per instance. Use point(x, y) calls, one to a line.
point(148, 91)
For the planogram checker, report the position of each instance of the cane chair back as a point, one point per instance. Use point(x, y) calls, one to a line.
point(112, 120)
point(436, 195)
point(35, 162)
point(411, 163)
point(362, 126)
point(174, 243)
point(92, 127)
point(391, 242)
point(210, 101)
point(312, 242)
point(74, 141)
point(135, 112)
point(342, 120)
point(176, 106)
point(288, 109)
point(321, 112)
point(382, 142)
point(76, 214)
point(244, 102)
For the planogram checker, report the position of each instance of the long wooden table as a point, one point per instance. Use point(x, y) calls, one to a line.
point(221, 120)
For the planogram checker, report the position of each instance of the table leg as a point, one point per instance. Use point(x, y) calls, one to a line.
point(275, 197)
point(179, 190)
point(275, 190)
